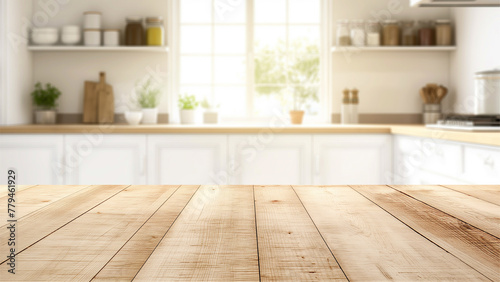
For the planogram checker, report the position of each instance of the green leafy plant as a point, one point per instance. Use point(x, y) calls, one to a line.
point(188, 102)
point(208, 106)
point(45, 99)
point(148, 94)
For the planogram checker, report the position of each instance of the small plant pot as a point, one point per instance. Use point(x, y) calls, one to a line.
point(150, 116)
point(188, 116)
point(210, 117)
point(296, 117)
point(45, 117)
point(133, 117)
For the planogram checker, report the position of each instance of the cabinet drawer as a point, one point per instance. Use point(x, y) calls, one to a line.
point(482, 165)
point(442, 157)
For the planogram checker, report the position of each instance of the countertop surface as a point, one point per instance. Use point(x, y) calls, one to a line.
point(484, 138)
point(255, 233)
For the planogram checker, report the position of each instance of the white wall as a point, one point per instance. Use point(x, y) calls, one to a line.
point(478, 41)
point(69, 70)
point(17, 81)
point(389, 82)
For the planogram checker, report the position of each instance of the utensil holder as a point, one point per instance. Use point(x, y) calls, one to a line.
point(431, 113)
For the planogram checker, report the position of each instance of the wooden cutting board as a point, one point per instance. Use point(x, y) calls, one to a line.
point(98, 102)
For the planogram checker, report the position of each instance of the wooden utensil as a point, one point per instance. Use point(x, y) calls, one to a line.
point(105, 101)
point(90, 103)
point(441, 93)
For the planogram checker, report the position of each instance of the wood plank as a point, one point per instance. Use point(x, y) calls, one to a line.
point(44, 221)
point(471, 245)
point(129, 260)
point(290, 246)
point(4, 191)
point(488, 193)
point(478, 213)
point(372, 245)
point(213, 239)
point(77, 251)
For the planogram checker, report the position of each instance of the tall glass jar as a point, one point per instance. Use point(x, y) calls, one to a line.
point(155, 31)
point(443, 32)
point(409, 34)
point(343, 33)
point(426, 33)
point(390, 30)
point(372, 33)
point(357, 33)
point(134, 32)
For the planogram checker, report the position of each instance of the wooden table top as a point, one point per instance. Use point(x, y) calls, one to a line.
point(252, 233)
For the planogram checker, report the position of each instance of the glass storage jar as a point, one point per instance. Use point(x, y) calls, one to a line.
point(443, 32)
point(372, 33)
point(155, 31)
point(343, 33)
point(357, 33)
point(390, 33)
point(409, 35)
point(426, 33)
point(134, 32)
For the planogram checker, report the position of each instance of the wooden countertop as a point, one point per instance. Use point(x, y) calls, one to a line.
point(484, 138)
point(255, 233)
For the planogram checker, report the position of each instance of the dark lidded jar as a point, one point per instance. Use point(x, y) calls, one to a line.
point(134, 32)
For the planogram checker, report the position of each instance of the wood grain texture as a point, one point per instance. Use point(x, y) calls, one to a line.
point(128, 261)
point(471, 245)
point(371, 245)
point(488, 193)
point(290, 246)
point(81, 248)
point(44, 221)
point(481, 214)
point(4, 191)
point(214, 239)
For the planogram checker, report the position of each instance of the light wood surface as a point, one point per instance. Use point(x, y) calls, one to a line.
point(488, 193)
point(256, 233)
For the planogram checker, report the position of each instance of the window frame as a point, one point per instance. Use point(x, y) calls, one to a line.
point(324, 72)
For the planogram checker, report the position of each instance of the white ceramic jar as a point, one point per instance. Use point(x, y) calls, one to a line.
point(487, 92)
point(45, 36)
point(92, 20)
point(92, 37)
point(111, 37)
point(71, 35)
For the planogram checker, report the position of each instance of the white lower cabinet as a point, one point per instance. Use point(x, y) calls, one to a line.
point(352, 159)
point(187, 159)
point(38, 159)
point(105, 159)
point(270, 159)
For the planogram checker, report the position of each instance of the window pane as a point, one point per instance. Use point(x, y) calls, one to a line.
point(230, 40)
point(201, 92)
point(196, 69)
point(270, 68)
point(196, 11)
point(270, 11)
point(230, 11)
point(303, 69)
point(196, 39)
point(230, 70)
point(269, 100)
point(304, 39)
point(269, 38)
point(304, 11)
point(232, 100)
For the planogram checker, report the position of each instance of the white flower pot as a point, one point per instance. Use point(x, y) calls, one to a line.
point(188, 116)
point(150, 116)
point(45, 117)
point(210, 117)
point(133, 118)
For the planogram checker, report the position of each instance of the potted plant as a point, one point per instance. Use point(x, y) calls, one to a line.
point(148, 98)
point(187, 107)
point(45, 101)
point(211, 114)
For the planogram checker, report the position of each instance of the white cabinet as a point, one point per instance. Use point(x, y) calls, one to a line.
point(352, 159)
point(105, 159)
point(270, 159)
point(187, 159)
point(37, 158)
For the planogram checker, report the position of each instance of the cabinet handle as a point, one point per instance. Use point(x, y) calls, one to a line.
point(489, 162)
point(316, 164)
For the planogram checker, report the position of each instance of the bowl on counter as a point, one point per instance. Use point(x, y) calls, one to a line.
point(45, 36)
point(133, 118)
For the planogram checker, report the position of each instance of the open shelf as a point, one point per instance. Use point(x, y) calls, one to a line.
point(393, 48)
point(163, 49)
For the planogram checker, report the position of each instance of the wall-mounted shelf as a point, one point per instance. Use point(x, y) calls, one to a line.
point(163, 49)
point(394, 48)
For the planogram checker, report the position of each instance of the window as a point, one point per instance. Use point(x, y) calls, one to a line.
point(252, 57)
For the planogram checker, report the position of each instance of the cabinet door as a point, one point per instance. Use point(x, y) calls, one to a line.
point(352, 159)
point(37, 158)
point(187, 159)
point(105, 159)
point(270, 159)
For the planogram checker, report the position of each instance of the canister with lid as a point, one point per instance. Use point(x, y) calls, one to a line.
point(343, 33)
point(92, 20)
point(426, 33)
point(111, 37)
point(357, 33)
point(134, 32)
point(443, 32)
point(487, 92)
point(155, 31)
point(372, 33)
point(390, 33)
